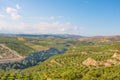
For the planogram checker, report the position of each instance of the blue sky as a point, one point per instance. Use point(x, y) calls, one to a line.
point(83, 17)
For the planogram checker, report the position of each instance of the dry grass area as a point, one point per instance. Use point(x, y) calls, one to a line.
point(107, 63)
point(55, 62)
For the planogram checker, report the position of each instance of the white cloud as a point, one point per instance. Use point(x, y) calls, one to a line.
point(2, 16)
point(51, 17)
point(53, 27)
point(18, 6)
point(6, 27)
point(39, 28)
point(13, 13)
point(62, 29)
point(47, 18)
point(76, 27)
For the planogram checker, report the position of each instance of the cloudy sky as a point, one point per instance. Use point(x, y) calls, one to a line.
point(83, 17)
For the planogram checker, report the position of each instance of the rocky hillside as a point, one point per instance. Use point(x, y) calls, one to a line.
point(7, 55)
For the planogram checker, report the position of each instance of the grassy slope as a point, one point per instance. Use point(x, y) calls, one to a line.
point(69, 66)
point(30, 45)
point(16, 45)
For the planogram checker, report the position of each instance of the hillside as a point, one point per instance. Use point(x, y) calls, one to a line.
point(22, 52)
point(72, 65)
point(102, 38)
point(7, 55)
point(83, 60)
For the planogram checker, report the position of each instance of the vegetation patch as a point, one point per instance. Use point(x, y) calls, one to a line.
point(36, 47)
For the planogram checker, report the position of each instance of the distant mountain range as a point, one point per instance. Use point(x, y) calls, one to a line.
point(68, 36)
point(101, 38)
point(62, 36)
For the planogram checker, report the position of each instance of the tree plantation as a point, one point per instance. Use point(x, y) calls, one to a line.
point(64, 58)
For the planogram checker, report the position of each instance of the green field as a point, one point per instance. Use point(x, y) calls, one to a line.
point(69, 66)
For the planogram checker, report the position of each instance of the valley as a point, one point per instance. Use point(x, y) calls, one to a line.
point(59, 39)
point(56, 58)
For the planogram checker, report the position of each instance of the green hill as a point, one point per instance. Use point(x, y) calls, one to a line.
point(83, 60)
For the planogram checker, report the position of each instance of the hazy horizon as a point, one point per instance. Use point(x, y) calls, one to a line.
point(80, 17)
